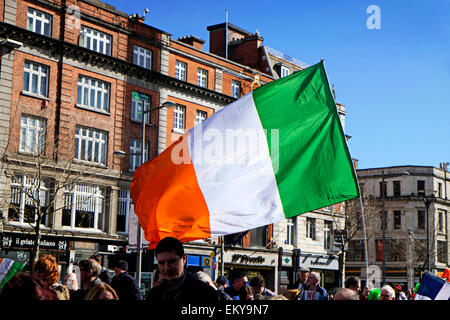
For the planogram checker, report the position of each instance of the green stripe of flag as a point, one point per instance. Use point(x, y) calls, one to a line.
point(13, 269)
point(314, 168)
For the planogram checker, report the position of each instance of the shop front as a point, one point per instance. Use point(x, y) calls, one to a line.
point(325, 265)
point(253, 264)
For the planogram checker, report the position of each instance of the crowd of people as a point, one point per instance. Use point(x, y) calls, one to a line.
point(173, 283)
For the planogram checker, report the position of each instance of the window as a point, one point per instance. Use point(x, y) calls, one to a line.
point(397, 219)
point(327, 235)
point(200, 116)
point(178, 118)
point(258, 237)
point(356, 250)
point(397, 190)
point(441, 222)
point(84, 206)
point(311, 228)
point(180, 70)
point(123, 210)
point(135, 147)
point(91, 145)
point(383, 189)
point(32, 135)
point(439, 190)
point(95, 40)
point(39, 22)
point(284, 72)
point(236, 89)
point(35, 79)
point(26, 191)
point(395, 250)
point(442, 252)
point(421, 188)
point(290, 231)
point(93, 93)
point(202, 78)
point(142, 57)
point(421, 219)
point(139, 103)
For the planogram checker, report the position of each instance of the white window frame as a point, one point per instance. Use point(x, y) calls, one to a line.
point(235, 89)
point(311, 228)
point(135, 147)
point(290, 231)
point(38, 20)
point(21, 186)
point(85, 196)
point(95, 140)
point(139, 103)
point(142, 57)
point(327, 233)
point(200, 116)
point(180, 70)
point(202, 78)
point(32, 134)
point(35, 79)
point(95, 40)
point(179, 116)
point(284, 72)
point(124, 207)
point(93, 94)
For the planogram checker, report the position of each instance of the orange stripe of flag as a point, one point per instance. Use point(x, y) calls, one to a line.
point(168, 200)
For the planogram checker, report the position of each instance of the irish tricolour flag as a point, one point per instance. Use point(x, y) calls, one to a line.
point(275, 153)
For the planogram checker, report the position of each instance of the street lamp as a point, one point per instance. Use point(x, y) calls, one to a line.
point(383, 219)
point(120, 153)
point(427, 201)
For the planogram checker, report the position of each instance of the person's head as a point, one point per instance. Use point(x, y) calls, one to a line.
point(26, 287)
point(313, 279)
point(120, 267)
point(222, 281)
point(257, 284)
point(387, 293)
point(397, 288)
point(102, 291)
point(46, 269)
point(89, 270)
point(238, 280)
point(353, 283)
point(346, 294)
point(171, 259)
point(303, 274)
point(204, 277)
point(97, 257)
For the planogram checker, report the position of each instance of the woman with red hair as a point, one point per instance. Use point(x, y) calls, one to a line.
point(46, 269)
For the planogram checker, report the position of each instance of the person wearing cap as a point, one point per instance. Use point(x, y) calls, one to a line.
point(303, 274)
point(399, 294)
point(125, 285)
point(221, 284)
point(177, 284)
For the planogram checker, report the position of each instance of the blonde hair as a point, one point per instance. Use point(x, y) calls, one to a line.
point(95, 291)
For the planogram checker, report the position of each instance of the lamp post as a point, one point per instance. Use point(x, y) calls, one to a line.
point(167, 104)
point(427, 201)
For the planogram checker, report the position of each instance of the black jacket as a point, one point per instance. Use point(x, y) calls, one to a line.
point(126, 287)
point(188, 290)
point(105, 276)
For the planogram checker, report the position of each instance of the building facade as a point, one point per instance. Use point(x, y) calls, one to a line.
point(416, 204)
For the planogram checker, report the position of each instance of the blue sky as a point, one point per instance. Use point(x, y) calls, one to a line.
point(394, 81)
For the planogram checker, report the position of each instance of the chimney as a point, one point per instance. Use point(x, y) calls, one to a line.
point(194, 41)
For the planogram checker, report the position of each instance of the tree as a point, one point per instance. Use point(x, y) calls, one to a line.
point(40, 168)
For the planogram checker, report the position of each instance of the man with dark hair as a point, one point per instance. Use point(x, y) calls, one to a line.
point(104, 274)
point(176, 283)
point(124, 284)
point(89, 272)
point(238, 282)
point(258, 285)
point(353, 283)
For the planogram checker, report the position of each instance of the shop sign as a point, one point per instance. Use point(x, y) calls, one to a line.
point(286, 261)
point(27, 241)
point(319, 262)
point(243, 258)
